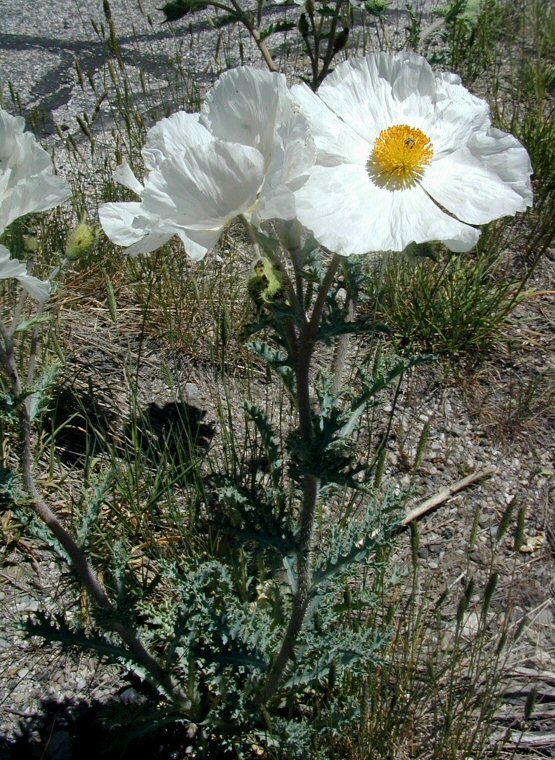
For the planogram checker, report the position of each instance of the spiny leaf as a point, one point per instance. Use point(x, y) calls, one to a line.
point(269, 437)
point(277, 360)
point(39, 397)
point(281, 26)
point(27, 324)
point(55, 628)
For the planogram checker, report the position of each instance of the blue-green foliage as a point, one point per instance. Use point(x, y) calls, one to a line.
point(214, 609)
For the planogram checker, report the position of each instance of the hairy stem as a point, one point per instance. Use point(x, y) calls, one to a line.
point(78, 559)
point(255, 34)
point(310, 487)
point(331, 47)
point(342, 347)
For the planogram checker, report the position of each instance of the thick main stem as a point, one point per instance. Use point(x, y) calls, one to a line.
point(311, 485)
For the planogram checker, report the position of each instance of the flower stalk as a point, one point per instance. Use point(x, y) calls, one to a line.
point(310, 485)
point(79, 561)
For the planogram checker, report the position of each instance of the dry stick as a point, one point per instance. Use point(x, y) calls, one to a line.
point(441, 496)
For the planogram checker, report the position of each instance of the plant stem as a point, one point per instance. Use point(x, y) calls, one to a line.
point(255, 34)
point(342, 348)
point(330, 49)
point(310, 485)
point(78, 559)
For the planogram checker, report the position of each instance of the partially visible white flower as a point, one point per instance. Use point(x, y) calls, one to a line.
point(405, 156)
point(27, 180)
point(15, 269)
point(254, 107)
point(247, 153)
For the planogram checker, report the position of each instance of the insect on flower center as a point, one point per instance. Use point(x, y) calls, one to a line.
point(400, 155)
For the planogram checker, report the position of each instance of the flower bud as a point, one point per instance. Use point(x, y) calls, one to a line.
point(289, 234)
point(80, 241)
point(303, 25)
point(341, 40)
point(266, 282)
point(309, 5)
point(30, 242)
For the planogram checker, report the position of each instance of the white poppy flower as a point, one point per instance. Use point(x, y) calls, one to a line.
point(127, 223)
point(404, 156)
point(254, 108)
point(13, 268)
point(246, 154)
point(27, 180)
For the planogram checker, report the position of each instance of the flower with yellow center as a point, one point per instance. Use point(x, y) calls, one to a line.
point(404, 155)
point(400, 155)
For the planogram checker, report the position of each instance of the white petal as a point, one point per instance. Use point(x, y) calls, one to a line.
point(245, 106)
point(15, 269)
point(348, 214)
point(124, 175)
point(38, 289)
point(457, 115)
point(117, 222)
point(172, 136)
point(34, 194)
point(27, 180)
point(488, 179)
point(275, 203)
point(197, 243)
point(375, 92)
point(292, 157)
point(9, 267)
point(151, 241)
point(336, 143)
point(127, 224)
point(206, 188)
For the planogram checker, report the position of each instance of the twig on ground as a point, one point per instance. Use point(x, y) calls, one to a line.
point(442, 496)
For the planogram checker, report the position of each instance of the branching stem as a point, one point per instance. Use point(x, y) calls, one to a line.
point(79, 561)
point(310, 487)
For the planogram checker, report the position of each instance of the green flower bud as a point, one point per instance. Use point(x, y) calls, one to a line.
point(266, 281)
point(309, 5)
point(80, 241)
point(30, 242)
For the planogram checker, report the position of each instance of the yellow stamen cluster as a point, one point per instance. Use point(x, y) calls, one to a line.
point(400, 155)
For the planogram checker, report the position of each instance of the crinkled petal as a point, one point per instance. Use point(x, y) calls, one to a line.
point(151, 241)
point(197, 243)
point(126, 224)
point(15, 269)
point(173, 136)
point(373, 93)
point(245, 106)
point(457, 115)
point(27, 180)
point(125, 176)
point(292, 158)
point(35, 194)
point(349, 214)
point(117, 219)
point(206, 188)
point(336, 143)
point(485, 180)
